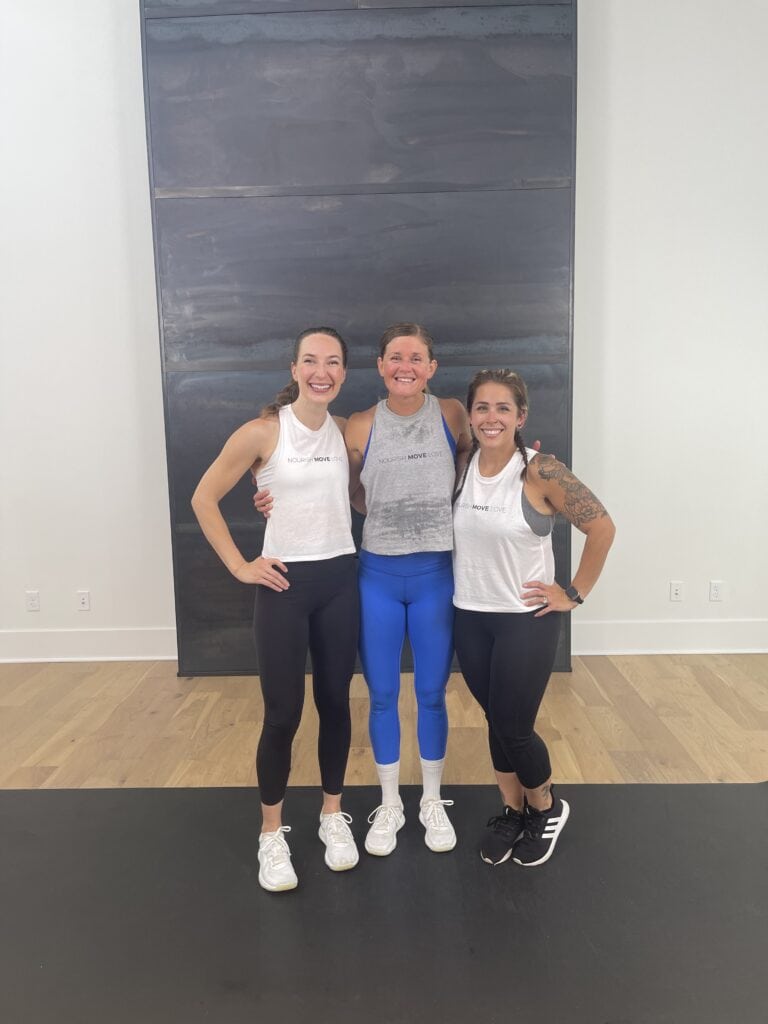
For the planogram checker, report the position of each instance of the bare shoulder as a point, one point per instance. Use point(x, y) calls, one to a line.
point(544, 466)
point(564, 491)
point(358, 428)
point(451, 407)
point(341, 422)
point(364, 417)
point(255, 439)
point(455, 415)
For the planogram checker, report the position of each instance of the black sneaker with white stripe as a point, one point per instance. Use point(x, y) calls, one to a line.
point(540, 833)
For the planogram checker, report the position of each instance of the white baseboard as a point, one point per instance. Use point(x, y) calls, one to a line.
point(682, 636)
point(617, 636)
point(156, 643)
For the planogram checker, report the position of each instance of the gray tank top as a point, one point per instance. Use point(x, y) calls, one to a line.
point(408, 475)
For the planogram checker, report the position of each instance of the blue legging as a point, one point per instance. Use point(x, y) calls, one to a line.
point(410, 594)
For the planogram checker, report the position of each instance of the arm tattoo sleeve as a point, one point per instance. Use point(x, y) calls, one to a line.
point(581, 506)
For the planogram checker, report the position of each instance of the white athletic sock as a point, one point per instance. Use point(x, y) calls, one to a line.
point(431, 773)
point(389, 779)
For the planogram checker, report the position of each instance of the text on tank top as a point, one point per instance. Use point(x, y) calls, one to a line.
point(408, 476)
point(500, 541)
point(308, 475)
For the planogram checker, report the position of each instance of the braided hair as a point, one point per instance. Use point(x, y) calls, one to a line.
point(289, 394)
point(516, 386)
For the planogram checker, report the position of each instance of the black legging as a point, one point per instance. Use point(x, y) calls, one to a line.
point(319, 612)
point(506, 659)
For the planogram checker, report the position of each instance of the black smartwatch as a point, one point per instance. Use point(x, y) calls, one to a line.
point(573, 595)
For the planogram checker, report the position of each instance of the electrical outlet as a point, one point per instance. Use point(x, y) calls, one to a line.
point(32, 600)
point(716, 589)
point(83, 600)
point(675, 590)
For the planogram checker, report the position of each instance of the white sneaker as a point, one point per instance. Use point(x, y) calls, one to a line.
point(340, 849)
point(386, 821)
point(439, 835)
point(276, 872)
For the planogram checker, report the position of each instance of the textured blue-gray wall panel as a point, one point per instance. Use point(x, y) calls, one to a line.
point(378, 99)
point(214, 612)
point(214, 609)
point(204, 8)
point(205, 408)
point(483, 270)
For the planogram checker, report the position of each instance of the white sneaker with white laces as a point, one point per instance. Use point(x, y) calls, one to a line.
point(386, 821)
point(439, 835)
point(276, 872)
point(340, 849)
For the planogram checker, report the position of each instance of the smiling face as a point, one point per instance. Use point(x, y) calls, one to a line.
point(319, 368)
point(495, 416)
point(406, 366)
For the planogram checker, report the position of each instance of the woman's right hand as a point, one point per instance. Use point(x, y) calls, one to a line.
point(263, 502)
point(264, 572)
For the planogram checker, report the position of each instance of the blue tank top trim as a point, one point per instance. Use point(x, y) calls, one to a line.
point(367, 445)
point(413, 564)
point(449, 435)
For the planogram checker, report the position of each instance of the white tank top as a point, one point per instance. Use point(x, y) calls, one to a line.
point(308, 475)
point(499, 541)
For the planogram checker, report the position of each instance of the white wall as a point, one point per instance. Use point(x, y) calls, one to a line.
point(82, 461)
point(670, 338)
point(671, 308)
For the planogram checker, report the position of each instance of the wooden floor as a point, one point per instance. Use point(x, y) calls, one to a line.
point(663, 718)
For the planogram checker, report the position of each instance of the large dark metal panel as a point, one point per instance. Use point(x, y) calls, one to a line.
point(436, 97)
point(241, 276)
point(214, 609)
point(204, 8)
point(206, 407)
point(353, 167)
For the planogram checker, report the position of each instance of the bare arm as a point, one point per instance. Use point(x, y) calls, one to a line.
point(456, 417)
point(356, 435)
point(565, 493)
point(253, 443)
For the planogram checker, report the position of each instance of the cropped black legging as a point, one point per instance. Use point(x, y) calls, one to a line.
point(506, 660)
point(318, 613)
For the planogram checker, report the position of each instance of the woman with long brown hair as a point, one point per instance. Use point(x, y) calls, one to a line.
point(306, 587)
point(509, 606)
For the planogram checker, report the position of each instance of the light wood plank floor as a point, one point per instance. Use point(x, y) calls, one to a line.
point(663, 718)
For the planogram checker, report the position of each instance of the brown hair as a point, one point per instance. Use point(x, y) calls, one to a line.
point(290, 392)
point(516, 387)
point(406, 331)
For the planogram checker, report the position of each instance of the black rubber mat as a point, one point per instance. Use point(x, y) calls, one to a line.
point(143, 906)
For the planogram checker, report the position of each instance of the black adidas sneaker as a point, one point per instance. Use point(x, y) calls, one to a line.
point(503, 832)
point(540, 833)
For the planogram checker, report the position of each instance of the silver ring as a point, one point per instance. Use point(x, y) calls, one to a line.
point(546, 600)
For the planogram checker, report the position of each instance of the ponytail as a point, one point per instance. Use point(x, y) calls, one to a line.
point(521, 448)
point(286, 396)
point(460, 485)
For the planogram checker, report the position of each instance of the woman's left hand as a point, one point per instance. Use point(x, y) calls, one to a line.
point(551, 595)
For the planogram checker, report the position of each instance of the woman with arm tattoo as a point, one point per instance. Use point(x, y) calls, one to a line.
point(508, 605)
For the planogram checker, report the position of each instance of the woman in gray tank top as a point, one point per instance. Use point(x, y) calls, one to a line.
point(403, 452)
point(402, 455)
